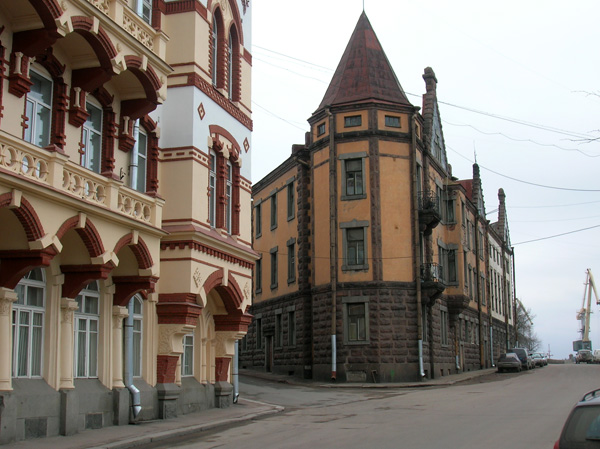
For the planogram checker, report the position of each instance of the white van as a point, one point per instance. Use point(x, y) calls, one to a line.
point(596, 356)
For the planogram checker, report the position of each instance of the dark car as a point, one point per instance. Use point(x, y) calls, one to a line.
point(582, 428)
point(523, 354)
point(509, 361)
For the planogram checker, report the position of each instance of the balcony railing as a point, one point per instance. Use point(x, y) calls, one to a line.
point(432, 272)
point(428, 200)
point(54, 170)
point(128, 20)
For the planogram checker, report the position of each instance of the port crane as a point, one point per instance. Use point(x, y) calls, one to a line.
point(583, 315)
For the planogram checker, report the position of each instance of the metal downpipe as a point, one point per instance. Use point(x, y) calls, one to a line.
point(234, 374)
point(136, 406)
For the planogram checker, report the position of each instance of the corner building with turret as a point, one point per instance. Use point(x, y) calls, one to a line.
point(374, 261)
point(125, 245)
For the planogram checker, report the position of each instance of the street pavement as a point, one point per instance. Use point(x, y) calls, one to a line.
point(121, 437)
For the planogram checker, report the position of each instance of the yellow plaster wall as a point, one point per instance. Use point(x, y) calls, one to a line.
point(404, 121)
point(339, 121)
point(321, 269)
point(396, 212)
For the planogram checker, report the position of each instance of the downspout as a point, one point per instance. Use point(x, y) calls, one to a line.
point(134, 156)
point(491, 346)
point(417, 242)
point(235, 370)
point(514, 286)
point(478, 284)
point(332, 242)
point(128, 374)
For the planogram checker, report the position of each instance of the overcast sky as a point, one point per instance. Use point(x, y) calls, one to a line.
point(515, 84)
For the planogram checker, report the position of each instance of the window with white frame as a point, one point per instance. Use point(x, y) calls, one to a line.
point(92, 138)
point(138, 321)
point(144, 10)
point(28, 325)
point(87, 318)
point(38, 109)
point(228, 197)
point(212, 188)
point(187, 358)
point(142, 161)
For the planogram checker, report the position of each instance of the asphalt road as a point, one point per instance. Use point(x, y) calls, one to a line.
point(514, 411)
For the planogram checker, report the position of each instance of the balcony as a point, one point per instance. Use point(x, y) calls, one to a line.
point(432, 282)
point(429, 211)
point(127, 19)
point(54, 171)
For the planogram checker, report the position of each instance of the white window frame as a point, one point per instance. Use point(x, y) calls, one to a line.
point(34, 107)
point(230, 68)
point(212, 188)
point(142, 161)
point(31, 357)
point(215, 49)
point(90, 337)
point(138, 335)
point(187, 357)
point(91, 157)
point(228, 197)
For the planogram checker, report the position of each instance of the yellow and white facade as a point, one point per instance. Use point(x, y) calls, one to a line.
point(125, 137)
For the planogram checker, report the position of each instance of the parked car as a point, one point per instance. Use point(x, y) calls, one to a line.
point(596, 356)
point(537, 358)
point(582, 428)
point(509, 361)
point(523, 354)
point(584, 355)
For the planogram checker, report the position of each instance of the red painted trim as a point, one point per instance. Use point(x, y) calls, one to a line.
point(139, 250)
point(26, 215)
point(78, 276)
point(89, 235)
point(127, 286)
point(221, 369)
point(196, 246)
point(166, 365)
point(14, 264)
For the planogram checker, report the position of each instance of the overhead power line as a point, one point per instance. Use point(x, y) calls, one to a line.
point(556, 235)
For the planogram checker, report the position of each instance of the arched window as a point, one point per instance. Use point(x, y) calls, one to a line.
point(87, 318)
point(233, 66)
point(91, 138)
point(215, 50)
point(38, 109)
point(28, 325)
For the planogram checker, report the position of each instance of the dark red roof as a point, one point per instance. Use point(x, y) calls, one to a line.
point(364, 72)
point(468, 186)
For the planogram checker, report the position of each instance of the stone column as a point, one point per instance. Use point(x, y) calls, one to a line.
point(68, 307)
point(118, 314)
point(7, 297)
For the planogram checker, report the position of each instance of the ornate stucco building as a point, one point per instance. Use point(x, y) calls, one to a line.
point(125, 244)
point(374, 260)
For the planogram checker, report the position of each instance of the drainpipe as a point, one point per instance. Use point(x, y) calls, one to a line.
point(234, 374)
point(332, 241)
point(128, 374)
point(417, 243)
point(491, 346)
point(134, 156)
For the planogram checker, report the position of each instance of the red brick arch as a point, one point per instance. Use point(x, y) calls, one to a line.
point(231, 295)
point(139, 250)
point(26, 215)
point(88, 234)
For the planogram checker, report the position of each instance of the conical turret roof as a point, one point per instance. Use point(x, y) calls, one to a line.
point(364, 72)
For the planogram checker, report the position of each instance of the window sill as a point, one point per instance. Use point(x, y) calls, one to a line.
point(357, 343)
point(364, 267)
point(345, 197)
point(291, 281)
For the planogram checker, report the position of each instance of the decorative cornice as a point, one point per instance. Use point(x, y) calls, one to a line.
point(196, 246)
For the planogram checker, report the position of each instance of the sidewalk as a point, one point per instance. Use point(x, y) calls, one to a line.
point(438, 382)
point(121, 437)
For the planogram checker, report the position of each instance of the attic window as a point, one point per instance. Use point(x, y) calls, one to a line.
point(392, 122)
point(321, 129)
point(352, 120)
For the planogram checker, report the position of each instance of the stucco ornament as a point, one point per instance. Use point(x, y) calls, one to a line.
point(247, 290)
point(197, 278)
point(170, 338)
point(224, 344)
